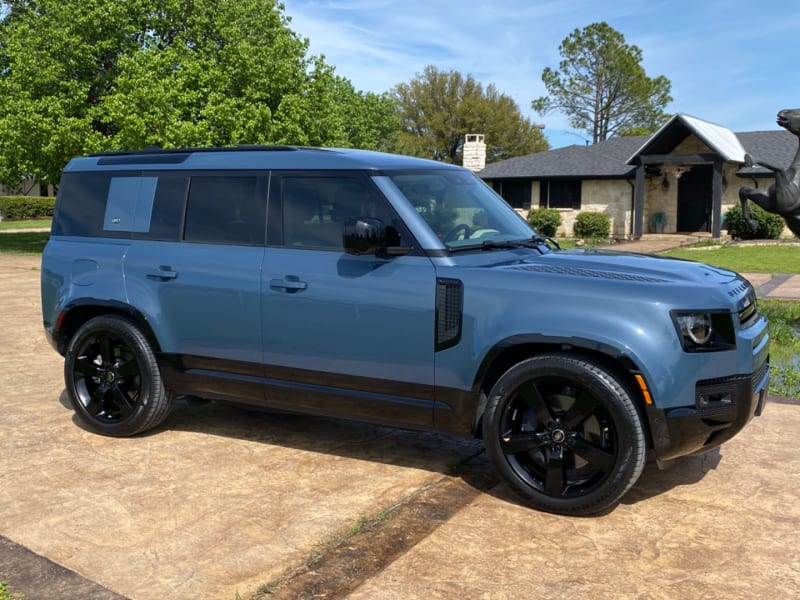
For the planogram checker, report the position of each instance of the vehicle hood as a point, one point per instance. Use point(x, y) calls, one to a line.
point(624, 266)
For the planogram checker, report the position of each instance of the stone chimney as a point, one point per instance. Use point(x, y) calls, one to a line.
point(474, 152)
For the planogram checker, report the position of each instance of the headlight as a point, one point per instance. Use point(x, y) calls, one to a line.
point(704, 331)
point(697, 327)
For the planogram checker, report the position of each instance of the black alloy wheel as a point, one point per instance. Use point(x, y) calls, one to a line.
point(564, 432)
point(112, 378)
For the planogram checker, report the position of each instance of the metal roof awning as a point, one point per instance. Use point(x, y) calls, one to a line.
point(719, 139)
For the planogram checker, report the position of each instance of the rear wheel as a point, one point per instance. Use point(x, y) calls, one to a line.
point(112, 378)
point(564, 432)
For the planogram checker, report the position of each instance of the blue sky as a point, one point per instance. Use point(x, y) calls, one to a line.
point(733, 63)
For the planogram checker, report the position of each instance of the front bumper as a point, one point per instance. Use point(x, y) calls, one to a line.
point(722, 408)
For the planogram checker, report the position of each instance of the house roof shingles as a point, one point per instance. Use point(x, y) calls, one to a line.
point(609, 159)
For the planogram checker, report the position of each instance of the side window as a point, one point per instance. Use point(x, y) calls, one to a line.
point(82, 202)
point(165, 209)
point(315, 209)
point(130, 204)
point(121, 204)
point(225, 209)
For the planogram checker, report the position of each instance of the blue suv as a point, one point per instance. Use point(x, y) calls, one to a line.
point(392, 290)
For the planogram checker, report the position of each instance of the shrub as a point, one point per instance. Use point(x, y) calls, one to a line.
point(545, 220)
point(770, 226)
point(26, 207)
point(6, 594)
point(592, 225)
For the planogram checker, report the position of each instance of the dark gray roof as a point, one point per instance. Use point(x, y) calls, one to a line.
point(606, 159)
point(773, 147)
point(609, 159)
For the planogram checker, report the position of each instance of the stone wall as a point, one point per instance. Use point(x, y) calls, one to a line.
point(613, 197)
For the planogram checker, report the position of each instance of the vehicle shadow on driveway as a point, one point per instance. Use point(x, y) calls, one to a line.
point(464, 459)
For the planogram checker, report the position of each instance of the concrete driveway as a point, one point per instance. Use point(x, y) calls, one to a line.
point(222, 500)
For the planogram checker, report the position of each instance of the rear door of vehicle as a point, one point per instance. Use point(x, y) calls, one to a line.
point(194, 269)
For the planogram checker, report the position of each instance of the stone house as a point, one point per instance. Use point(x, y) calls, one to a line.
point(681, 179)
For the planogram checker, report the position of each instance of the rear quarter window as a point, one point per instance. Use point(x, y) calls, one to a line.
point(81, 209)
point(121, 205)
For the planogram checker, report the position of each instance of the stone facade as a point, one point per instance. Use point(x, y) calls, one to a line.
point(615, 197)
point(474, 152)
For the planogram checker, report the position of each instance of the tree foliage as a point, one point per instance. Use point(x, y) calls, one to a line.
point(438, 109)
point(79, 76)
point(601, 86)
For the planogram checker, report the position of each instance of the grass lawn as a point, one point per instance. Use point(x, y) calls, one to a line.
point(25, 224)
point(23, 243)
point(784, 331)
point(745, 259)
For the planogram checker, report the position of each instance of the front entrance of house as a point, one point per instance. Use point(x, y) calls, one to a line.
point(695, 199)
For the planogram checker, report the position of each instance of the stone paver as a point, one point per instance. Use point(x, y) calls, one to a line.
point(790, 289)
point(723, 525)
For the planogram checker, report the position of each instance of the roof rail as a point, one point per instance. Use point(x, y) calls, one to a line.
point(150, 150)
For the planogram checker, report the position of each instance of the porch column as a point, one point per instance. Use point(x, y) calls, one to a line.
point(638, 202)
point(716, 198)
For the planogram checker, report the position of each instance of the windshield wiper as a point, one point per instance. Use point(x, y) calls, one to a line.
point(533, 242)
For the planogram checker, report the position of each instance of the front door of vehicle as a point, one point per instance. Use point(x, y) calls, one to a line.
point(344, 334)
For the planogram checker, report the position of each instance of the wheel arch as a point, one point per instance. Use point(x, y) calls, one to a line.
point(511, 351)
point(73, 316)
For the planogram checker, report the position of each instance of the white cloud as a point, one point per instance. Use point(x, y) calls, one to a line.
point(731, 62)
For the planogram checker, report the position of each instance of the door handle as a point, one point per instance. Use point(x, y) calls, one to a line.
point(164, 273)
point(290, 283)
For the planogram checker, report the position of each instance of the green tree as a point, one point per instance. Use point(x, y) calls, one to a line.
point(80, 76)
point(601, 86)
point(438, 109)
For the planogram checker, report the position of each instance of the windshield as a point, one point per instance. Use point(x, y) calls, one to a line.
point(460, 208)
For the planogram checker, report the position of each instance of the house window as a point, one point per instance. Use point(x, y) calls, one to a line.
point(560, 193)
point(517, 193)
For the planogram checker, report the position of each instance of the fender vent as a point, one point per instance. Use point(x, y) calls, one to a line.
point(449, 311)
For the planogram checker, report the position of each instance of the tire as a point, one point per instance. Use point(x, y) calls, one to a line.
point(112, 378)
point(565, 434)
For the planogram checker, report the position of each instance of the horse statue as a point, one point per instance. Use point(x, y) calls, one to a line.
point(783, 196)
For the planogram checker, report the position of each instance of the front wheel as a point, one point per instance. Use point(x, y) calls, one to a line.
point(112, 378)
point(564, 432)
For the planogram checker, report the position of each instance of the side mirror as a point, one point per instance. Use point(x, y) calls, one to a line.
point(370, 236)
point(364, 236)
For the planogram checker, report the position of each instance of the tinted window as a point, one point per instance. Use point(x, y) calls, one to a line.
point(82, 206)
point(114, 205)
point(315, 209)
point(166, 213)
point(225, 209)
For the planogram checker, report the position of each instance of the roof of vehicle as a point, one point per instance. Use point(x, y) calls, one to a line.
point(250, 157)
